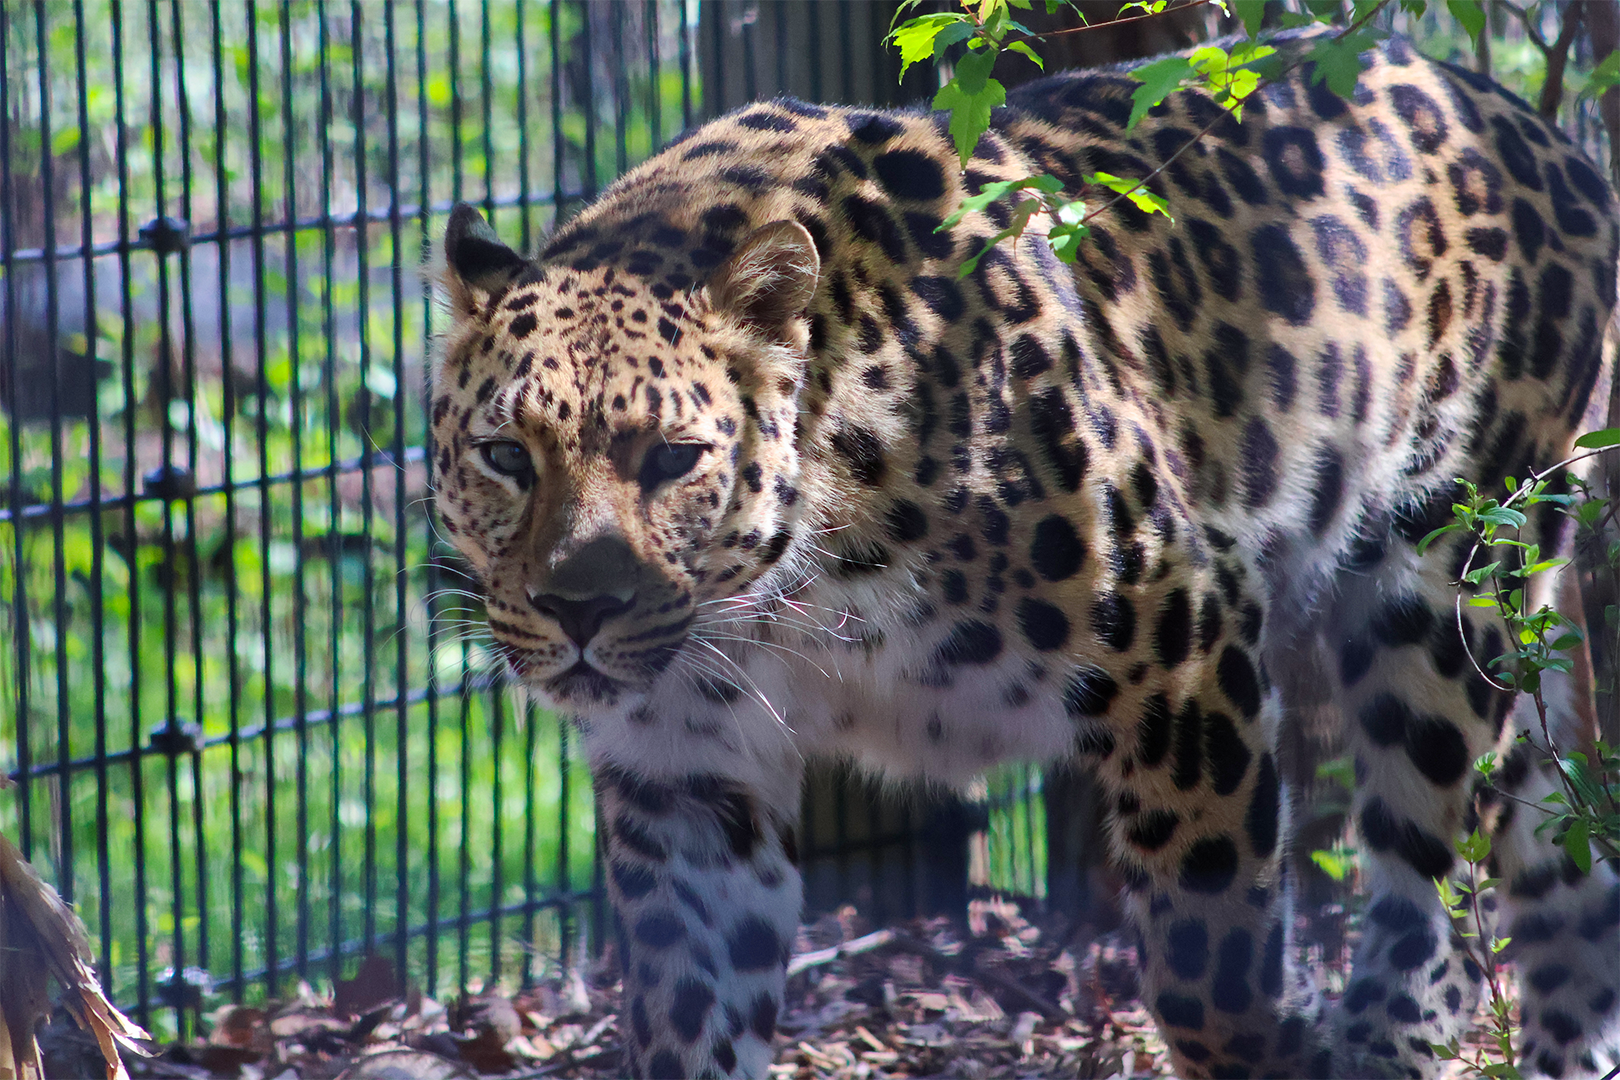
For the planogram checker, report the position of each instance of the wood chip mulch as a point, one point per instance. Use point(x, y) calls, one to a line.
point(997, 998)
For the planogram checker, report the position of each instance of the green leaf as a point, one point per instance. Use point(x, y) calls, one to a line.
point(1598, 440)
point(1338, 61)
point(1503, 515)
point(917, 38)
point(951, 35)
point(1159, 79)
point(1065, 240)
point(1470, 14)
point(1604, 76)
point(1020, 220)
point(64, 140)
point(1252, 12)
point(1023, 49)
point(1577, 845)
point(1423, 544)
point(1132, 189)
point(989, 193)
point(1332, 863)
point(970, 113)
point(1475, 847)
point(973, 71)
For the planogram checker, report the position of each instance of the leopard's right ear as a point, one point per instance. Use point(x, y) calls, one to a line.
point(476, 262)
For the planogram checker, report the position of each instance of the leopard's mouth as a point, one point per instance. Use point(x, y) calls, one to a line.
point(582, 683)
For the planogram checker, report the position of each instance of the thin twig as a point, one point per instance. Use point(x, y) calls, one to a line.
point(1121, 22)
point(806, 961)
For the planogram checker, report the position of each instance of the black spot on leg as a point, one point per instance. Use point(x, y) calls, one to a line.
point(1209, 866)
point(1179, 1010)
point(1271, 964)
point(634, 882)
point(1172, 638)
point(1153, 731)
point(1386, 719)
point(1239, 681)
point(659, 929)
point(1229, 988)
point(1260, 822)
point(754, 946)
point(762, 1018)
point(1152, 830)
point(1383, 831)
point(664, 1065)
point(693, 1000)
point(1228, 756)
point(1187, 949)
point(1549, 977)
point(1438, 749)
point(1561, 1026)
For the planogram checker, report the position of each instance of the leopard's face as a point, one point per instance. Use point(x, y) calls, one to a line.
point(601, 455)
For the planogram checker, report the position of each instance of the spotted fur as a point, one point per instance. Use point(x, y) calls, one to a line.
point(749, 473)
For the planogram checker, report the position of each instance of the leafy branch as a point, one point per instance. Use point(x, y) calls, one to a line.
point(1461, 901)
point(1591, 813)
point(985, 29)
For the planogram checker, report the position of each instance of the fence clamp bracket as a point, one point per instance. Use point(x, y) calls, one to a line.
point(167, 235)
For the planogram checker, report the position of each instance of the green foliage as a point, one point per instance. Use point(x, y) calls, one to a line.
point(1460, 898)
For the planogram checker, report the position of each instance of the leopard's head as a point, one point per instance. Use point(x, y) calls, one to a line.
point(613, 457)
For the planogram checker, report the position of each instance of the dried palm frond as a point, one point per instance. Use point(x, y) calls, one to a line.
point(41, 939)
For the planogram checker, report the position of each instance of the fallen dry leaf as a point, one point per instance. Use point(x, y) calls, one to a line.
point(41, 939)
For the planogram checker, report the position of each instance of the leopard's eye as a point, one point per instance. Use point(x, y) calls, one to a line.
point(670, 461)
point(508, 458)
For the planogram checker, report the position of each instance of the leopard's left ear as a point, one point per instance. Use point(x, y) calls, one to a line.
point(769, 280)
point(476, 262)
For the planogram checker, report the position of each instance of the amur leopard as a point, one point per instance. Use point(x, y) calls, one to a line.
point(750, 473)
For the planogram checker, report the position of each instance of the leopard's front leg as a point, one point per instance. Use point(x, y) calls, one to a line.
point(701, 870)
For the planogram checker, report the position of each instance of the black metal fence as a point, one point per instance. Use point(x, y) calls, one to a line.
point(253, 730)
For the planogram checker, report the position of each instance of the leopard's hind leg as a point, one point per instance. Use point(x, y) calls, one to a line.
point(1417, 715)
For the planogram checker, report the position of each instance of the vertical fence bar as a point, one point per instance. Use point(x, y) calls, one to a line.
point(525, 193)
point(300, 621)
point(432, 583)
point(53, 359)
point(368, 463)
point(192, 559)
point(98, 540)
point(621, 92)
point(655, 90)
point(169, 483)
point(228, 409)
point(136, 773)
point(331, 541)
point(587, 102)
point(272, 908)
point(402, 715)
point(19, 588)
point(686, 66)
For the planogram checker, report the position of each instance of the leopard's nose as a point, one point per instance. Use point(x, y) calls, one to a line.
point(580, 619)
